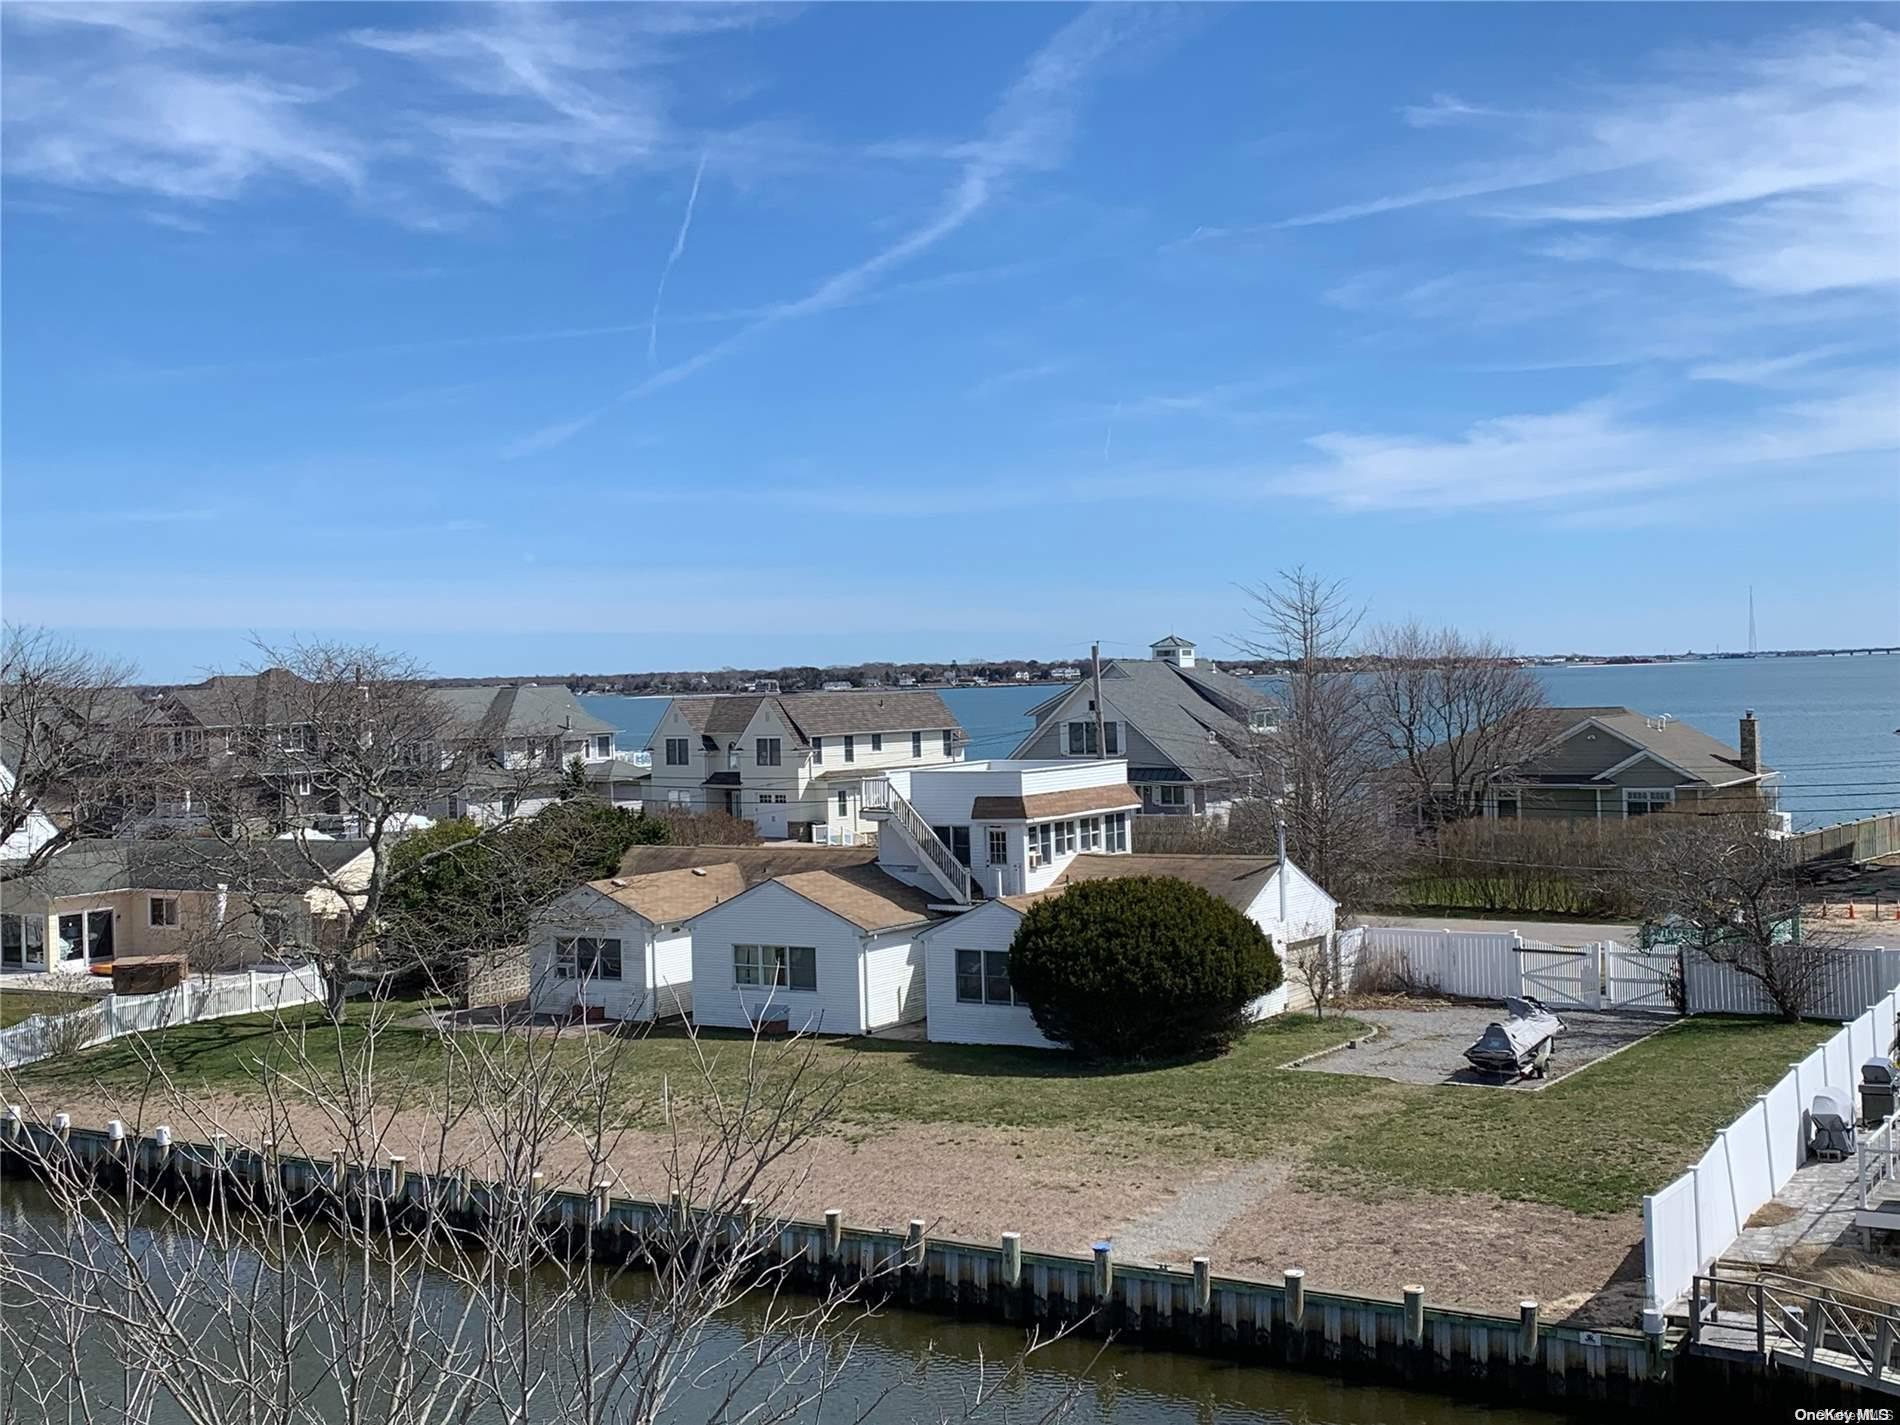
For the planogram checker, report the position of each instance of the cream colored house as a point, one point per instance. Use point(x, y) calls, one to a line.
point(98, 900)
point(791, 764)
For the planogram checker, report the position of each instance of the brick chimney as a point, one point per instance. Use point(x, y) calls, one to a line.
point(1751, 741)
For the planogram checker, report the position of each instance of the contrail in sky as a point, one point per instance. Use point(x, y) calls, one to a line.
point(679, 249)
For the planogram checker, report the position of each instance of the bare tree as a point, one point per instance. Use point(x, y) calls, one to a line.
point(1456, 713)
point(68, 722)
point(1316, 961)
point(291, 1303)
point(1322, 764)
point(1721, 882)
point(352, 735)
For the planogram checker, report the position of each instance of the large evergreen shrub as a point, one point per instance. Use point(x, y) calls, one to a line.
point(1142, 967)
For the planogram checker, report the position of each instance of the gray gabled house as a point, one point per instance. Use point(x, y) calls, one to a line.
point(1613, 763)
point(1192, 735)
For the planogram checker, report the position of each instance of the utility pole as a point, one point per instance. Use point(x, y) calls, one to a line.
point(1095, 673)
point(1279, 828)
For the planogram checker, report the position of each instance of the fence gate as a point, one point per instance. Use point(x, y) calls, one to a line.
point(1638, 979)
point(1568, 979)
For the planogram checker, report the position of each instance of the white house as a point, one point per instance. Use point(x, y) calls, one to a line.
point(997, 828)
point(791, 764)
point(32, 828)
point(826, 951)
point(966, 959)
point(621, 945)
point(522, 739)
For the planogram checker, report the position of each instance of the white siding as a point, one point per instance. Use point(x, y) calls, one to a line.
point(988, 927)
point(586, 911)
point(1309, 912)
point(672, 955)
point(893, 988)
point(769, 914)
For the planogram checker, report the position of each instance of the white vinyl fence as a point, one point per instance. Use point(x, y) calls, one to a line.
point(246, 992)
point(1695, 1219)
point(1490, 964)
point(1849, 980)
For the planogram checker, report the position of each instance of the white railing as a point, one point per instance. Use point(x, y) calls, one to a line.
point(1695, 1219)
point(246, 992)
point(877, 794)
point(1875, 1154)
point(639, 759)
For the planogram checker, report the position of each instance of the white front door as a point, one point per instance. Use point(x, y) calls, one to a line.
point(770, 818)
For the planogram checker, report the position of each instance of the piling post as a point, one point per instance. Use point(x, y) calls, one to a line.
point(1012, 1260)
point(748, 1221)
point(1415, 1315)
point(161, 1149)
point(1104, 1272)
point(339, 1174)
point(115, 1138)
point(1203, 1285)
point(834, 1233)
point(1527, 1330)
point(63, 1128)
point(537, 1194)
point(398, 1177)
point(602, 1203)
point(220, 1149)
point(1296, 1299)
point(15, 1126)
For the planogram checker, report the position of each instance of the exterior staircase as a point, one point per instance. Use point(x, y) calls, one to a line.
point(879, 801)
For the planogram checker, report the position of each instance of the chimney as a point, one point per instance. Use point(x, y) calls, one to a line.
point(1751, 741)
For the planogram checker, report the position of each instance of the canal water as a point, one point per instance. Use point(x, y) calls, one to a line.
point(1828, 724)
point(906, 1367)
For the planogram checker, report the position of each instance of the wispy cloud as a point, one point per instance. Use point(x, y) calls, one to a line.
point(1030, 129)
point(1017, 376)
point(679, 251)
point(424, 123)
point(1607, 447)
point(1779, 159)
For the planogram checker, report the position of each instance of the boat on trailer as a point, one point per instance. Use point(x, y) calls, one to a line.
point(1520, 1045)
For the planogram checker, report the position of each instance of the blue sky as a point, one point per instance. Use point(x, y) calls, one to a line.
point(550, 338)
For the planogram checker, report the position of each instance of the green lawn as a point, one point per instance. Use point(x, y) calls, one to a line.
point(16, 1005)
point(1594, 1142)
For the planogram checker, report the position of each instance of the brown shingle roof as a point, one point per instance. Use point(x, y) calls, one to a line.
point(664, 896)
point(873, 710)
point(1235, 879)
point(755, 863)
point(863, 895)
point(1119, 797)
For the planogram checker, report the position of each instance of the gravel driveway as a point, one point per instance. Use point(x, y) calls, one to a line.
point(1427, 1046)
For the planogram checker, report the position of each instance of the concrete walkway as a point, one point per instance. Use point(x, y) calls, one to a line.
point(1823, 1198)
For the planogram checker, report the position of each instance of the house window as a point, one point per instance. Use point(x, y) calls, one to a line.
point(770, 749)
point(72, 937)
point(787, 967)
point(850, 748)
point(164, 912)
point(604, 745)
point(1042, 844)
point(273, 929)
point(1112, 738)
point(508, 803)
point(917, 744)
point(1065, 838)
point(676, 751)
point(1118, 831)
point(1506, 806)
point(1171, 794)
point(949, 742)
point(983, 977)
point(586, 957)
point(679, 797)
point(304, 786)
point(817, 751)
point(1091, 833)
point(1082, 739)
point(999, 846)
point(877, 742)
point(1641, 802)
point(844, 802)
point(22, 940)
